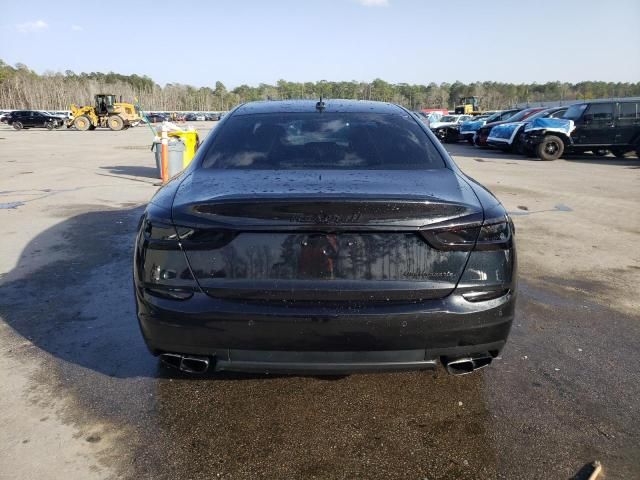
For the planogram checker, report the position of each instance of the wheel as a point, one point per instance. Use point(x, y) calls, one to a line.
point(619, 152)
point(115, 123)
point(470, 140)
point(49, 125)
point(449, 137)
point(82, 123)
point(550, 148)
point(17, 126)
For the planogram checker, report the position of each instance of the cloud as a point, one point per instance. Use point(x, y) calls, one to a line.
point(373, 3)
point(76, 28)
point(28, 27)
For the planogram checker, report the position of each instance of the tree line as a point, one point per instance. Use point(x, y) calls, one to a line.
point(22, 88)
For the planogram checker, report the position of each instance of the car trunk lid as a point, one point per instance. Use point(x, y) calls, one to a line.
point(321, 236)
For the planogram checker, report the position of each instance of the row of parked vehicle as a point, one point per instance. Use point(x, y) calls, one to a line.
point(599, 126)
point(158, 117)
point(25, 119)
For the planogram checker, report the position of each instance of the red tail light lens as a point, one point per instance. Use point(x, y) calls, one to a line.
point(495, 234)
point(452, 238)
point(162, 266)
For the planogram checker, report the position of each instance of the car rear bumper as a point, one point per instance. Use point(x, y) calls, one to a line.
point(259, 337)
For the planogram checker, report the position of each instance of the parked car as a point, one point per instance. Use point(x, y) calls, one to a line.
point(20, 119)
point(612, 125)
point(4, 115)
point(200, 117)
point(506, 136)
point(326, 237)
point(453, 133)
point(440, 127)
point(190, 117)
point(156, 117)
point(468, 129)
point(480, 138)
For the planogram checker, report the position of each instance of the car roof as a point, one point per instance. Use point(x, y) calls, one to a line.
point(330, 106)
point(607, 100)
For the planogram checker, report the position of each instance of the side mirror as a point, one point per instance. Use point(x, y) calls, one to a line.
point(587, 118)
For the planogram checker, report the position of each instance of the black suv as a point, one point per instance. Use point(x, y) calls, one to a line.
point(599, 125)
point(33, 119)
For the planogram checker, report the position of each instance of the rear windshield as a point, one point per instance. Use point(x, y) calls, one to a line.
point(344, 141)
point(521, 115)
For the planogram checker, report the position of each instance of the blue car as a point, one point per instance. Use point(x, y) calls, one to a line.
point(469, 128)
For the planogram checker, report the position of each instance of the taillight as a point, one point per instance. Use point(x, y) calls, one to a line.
point(494, 234)
point(461, 237)
point(163, 268)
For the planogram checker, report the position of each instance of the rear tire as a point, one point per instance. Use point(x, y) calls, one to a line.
point(82, 123)
point(49, 126)
point(115, 123)
point(17, 126)
point(551, 148)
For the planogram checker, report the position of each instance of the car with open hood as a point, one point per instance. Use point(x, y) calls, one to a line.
point(507, 136)
point(468, 129)
point(324, 237)
point(482, 134)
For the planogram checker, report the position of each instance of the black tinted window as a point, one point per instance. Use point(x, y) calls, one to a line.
point(508, 115)
point(574, 112)
point(629, 110)
point(599, 111)
point(294, 141)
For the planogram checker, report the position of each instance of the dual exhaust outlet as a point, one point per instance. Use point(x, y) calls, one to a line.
point(199, 364)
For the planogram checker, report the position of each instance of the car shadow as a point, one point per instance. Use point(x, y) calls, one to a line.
point(80, 306)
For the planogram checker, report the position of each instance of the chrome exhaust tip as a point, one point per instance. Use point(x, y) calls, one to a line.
point(465, 365)
point(186, 363)
point(194, 364)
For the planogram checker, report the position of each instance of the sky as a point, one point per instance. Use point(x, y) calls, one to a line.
point(261, 41)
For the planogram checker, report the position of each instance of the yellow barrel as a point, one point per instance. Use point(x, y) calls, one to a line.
point(191, 142)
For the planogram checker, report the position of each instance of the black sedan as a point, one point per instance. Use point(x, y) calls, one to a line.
point(156, 117)
point(23, 119)
point(327, 237)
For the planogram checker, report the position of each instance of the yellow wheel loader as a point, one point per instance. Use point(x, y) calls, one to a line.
point(106, 113)
point(468, 106)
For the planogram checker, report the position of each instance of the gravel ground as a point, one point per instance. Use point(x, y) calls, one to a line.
point(82, 399)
